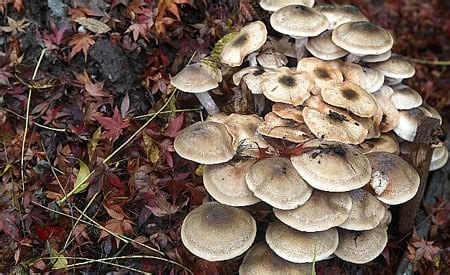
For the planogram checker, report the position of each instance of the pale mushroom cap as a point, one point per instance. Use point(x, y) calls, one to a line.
point(362, 38)
point(322, 211)
point(298, 21)
point(362, 246)
point(334, 125)
point(405, 98)
point(286, 129)
point(274, 5)
point(261, 260)
point(320, 71)
point(395, 67)
point(217, 232)
point(351, 97)
point(408, 123)
point(340, 14)
point(373, 79)
point(286, 86)
point(439, 161)
point(226, 183)
point(197, 78)
point(385, 143)
point(298, 247)
point(431, 112)
point(332, 166)
point(271, 59)
point(377, 57)
point(288, 111)
point(205, 142)
point(391, 116)
point(323, 47)
point(394, 180)
point(249, 39)
point(276, 182)
point(367, 212)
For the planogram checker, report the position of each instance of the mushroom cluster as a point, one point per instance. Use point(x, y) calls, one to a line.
point(323, 149)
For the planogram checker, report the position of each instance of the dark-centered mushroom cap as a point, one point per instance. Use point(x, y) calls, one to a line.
point(395, 67)
point(340, 14)
point(322, 211)
point(362, 38)
point(249, 39)
point(366, 213)
point(298, 21)
point(301, 247)
point(394, 180)
point(205, 142)
point(323, 47)
point(361, 247)
point(332, 166)
point(197, 78)
point(319, 71)
point(276, 182)
point(261, 260)
point(225, 182)
point(274, 5)
point(217, 232)
point(405, 98)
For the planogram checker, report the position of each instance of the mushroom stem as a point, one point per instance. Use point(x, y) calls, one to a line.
point(260, 103)
point(352, 58)
point(208, 103)
point(300, 43)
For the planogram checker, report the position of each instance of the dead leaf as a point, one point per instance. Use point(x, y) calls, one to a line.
point(93, 25)
point(81, 42)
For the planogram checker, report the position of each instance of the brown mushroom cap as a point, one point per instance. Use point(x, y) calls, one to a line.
point(197, 78)
point(288, 111)
point(301, 247)
point(261, 260)
point(276, 182)
point(350, 97)
point(366, 213)
point(395, 67)
point(394, 180)
point(274, 5)
point(286, 86)
point(322, 211)
point(249, 39)
point(298, 21)
point(405, 98)
point(323, 47)
point(362, 38)
point(385, 143)
point(340, 14)
point(225, 182)
point(361, 247)
point(217, 232)
point(332, 166)
point(205, 142)
point(286, 129)
point(391, 116)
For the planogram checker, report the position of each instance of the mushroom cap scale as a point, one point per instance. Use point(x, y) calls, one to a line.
point(197, 78)
point(217, 232)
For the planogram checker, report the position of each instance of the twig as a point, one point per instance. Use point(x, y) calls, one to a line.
point(429, 62)
point(169, 112)
point(37, 124)
point(89, 261)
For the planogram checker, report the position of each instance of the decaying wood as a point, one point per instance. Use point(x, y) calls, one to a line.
point(420, 158)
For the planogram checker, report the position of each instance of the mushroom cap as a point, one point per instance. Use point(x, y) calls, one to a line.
point(361, 247)
point(237, 77)
point(366, 213)
point(405, 98)
point(320, 71)
point(286, 86)
point(276, 182)
point(217, 232)
point(322, 211)
point(332, 166)
point(394, 180)
point(362, 38)
point(408, 123)
point(334, 125)
point(205, 142)
point(351, 97)
point(377, 57)
point(373, 79)
point(385, 143)
point(285, 129)
point(288, 111)
point(249, 39)
point(298, 21)
point(340, 14)
point(395, 67)
point(274, 5)
point(323, 47)
point(353, 72)
point(431, 112)
point(272, 59)
point(301, 247)
point(439, 158)
point(197, 78)
point(261, 260)
point(225, 182)
point(391, 116)
point(283, 45)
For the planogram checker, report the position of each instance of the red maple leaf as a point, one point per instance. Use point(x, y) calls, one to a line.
point(113, 125)
point(81, 42)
